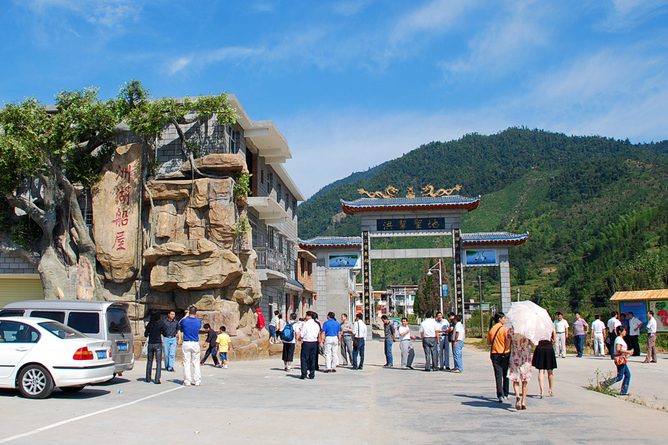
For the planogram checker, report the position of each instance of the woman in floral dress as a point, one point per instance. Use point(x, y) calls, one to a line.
point(520, 368)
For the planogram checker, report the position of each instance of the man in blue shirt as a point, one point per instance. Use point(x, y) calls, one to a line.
point(190, 327)
point(331, 336)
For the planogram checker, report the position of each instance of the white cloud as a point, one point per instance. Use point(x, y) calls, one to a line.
point(106, 13)
point(438, 15)
point(350, 7)
point(625, 15)
point(205, 58)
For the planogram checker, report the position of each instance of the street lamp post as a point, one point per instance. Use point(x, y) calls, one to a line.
point(440, 280)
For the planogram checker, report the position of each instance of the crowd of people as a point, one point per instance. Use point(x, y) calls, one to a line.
point(511, 352)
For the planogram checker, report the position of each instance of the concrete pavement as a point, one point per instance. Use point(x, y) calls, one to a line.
point(257, 402)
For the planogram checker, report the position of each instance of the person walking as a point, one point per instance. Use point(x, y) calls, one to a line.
point(613, 323)
point(169, 329)
point(272, 327)
point(331, 337)
point(428, 335)
point(499, 354)
point(459, 344)
point(519, 369)
point(407, 351)
point(211, 344)
point(561, 328)
point(621, 352)
point(152, 332)
point(308, 335)
point(390, 338)
point(289, 342)
point(346, 339)
point(443, 341)
point(651, 338)
point(598, 336)
point(580, 330)
point(359, 340)
point(544, 359)
point(190, 327)
point(634, 331)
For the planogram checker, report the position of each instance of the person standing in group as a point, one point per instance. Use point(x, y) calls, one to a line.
point(407, 351)
point(544, 359)
point(621, 352)
point(459, 344)
point(359, 340)
point(212, 346)
point(169, 329)
point(428, 329)
point(289, 342)
point(321, 343)
point(651, 338)
point(390, 338)
point(499, 354)
point(625, 323)
point(153, 334)
point(452, 320)
point(223, 345)
point(308, 335)
point(272, 327)
point(561, 328)
point(634, 331)
point(346, 339)
point(331, 337)
point(443, 341)
point(190, 327)
point(613, 324)
point(519, 369)
point(598, 336)
point(259, 323)
point(580, 330)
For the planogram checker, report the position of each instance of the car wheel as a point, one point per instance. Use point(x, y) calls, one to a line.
point(35, 382)
point(72, 388)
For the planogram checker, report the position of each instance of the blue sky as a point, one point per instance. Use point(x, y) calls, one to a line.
point(352, 84)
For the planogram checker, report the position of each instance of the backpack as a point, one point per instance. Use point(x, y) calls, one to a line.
point(288, 332)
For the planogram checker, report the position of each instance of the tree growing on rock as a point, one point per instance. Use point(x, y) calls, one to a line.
point(49, 155)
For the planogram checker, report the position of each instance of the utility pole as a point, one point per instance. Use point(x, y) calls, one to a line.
point(482, 328)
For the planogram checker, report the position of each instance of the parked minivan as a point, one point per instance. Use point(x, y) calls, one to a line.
point(105, 320)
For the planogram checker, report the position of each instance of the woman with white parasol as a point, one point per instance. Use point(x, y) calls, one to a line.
point(533, 322)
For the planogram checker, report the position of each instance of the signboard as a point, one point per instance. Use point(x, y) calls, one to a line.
point(639, 309)
point(344, 260)
point(660, 309)
point(366, 278)
point(459, 290)
point(390, 225)
point(480, 258)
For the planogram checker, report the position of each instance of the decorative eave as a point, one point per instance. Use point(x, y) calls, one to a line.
point(639, 295)
point(451, 202)
point(332, 242)
point(493, 238)
point(308, 256)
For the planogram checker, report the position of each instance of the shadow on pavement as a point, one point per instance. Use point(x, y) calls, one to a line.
point(484, 402)
point(88, 392)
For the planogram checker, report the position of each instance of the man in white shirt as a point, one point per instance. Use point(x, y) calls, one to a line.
point(428, 334)
point(309, 334)
point(443, 343)
point(612, 333)
point(459, 344)
point(651, 338)
point(598, 335)
point(359, 340)
point(561, 327)
point(634, 331)
point(407, 351)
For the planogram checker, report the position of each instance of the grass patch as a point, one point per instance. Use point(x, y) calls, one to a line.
point(597, 383)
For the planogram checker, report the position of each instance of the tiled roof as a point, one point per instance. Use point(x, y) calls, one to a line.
point(635, 295)
point(421, 203)
point(481, 238)
point(332, 242)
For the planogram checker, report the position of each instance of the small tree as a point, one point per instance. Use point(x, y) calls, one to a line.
point(46, 153)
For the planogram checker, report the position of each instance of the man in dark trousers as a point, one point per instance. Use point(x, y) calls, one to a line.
point(309, 335)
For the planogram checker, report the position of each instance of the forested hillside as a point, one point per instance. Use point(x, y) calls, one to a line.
point(595, 208)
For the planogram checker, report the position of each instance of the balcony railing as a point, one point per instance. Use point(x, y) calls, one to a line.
point(268, 258)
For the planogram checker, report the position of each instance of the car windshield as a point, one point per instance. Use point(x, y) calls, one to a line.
point(118, 322)
point(60, 330)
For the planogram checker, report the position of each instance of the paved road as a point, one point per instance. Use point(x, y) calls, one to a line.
point(257, 402)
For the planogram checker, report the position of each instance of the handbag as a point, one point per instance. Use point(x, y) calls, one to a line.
point(620, 360)
point(144, 349)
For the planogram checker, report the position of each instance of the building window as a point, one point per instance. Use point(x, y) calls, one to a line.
point(232, 138)
point(272, 237)
point(262, 176)
point(279, 191)
point(89, 217)
point(270, 181)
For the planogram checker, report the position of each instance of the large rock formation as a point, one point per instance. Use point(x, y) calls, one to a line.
point(192, 252)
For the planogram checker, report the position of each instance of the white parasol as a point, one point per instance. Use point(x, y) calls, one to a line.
point(531, 321)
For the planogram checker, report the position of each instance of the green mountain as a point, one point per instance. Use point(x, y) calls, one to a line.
point(595, 208)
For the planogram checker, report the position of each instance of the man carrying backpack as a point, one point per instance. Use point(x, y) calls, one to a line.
point(289, 341)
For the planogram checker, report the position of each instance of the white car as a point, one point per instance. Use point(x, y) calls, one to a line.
point(38, 354)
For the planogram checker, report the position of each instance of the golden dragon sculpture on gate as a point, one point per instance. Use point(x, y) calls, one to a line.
point(429, 191)
point(390, 192)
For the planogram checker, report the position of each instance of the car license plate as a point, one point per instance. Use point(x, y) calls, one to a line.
point(101, 354)
point(122, 346)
